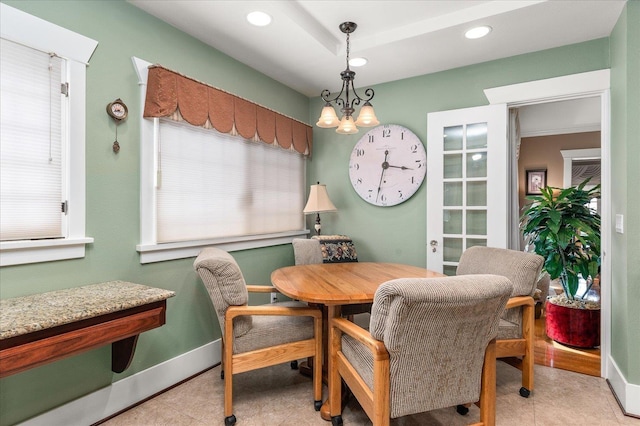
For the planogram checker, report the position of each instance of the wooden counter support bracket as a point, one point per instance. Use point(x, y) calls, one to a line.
point(121, 329)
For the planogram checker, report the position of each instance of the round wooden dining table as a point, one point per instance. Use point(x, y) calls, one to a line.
point(334, 285)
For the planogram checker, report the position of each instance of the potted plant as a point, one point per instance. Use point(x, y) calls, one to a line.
point(560, 226)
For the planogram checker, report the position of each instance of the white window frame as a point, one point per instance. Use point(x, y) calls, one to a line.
point(28, 30)
point(150, 251)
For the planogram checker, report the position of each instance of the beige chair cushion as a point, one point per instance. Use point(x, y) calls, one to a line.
point(523, 269)
point(225, 284)
point(272, 330)
point(436, 331)
point(306, 252)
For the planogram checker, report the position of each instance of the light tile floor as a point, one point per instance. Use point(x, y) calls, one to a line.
point(281, 396)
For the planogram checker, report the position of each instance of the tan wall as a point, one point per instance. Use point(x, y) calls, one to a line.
point(543, 152)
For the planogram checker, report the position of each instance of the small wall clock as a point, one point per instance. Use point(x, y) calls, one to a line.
point(387, 165)
point(119, 112)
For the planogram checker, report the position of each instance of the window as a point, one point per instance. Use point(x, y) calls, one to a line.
point(213, 185)
point(42, 132)
point(201, 187)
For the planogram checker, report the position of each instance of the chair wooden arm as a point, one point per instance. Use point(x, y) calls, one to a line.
point(251, 288)
point(237, 311)
point(520, 301)
point(360, 334)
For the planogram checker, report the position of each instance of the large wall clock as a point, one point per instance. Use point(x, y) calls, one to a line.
point(387, 165)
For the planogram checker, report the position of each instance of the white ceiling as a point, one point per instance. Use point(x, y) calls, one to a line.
point(304, 49)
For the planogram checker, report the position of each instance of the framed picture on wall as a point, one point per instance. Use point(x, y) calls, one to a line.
point(536, 180)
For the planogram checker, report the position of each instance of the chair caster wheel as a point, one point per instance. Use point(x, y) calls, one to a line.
point(317, 405)
point(230, 421)
point(462, 410)
point(524, 392)
point(294, 365)
point(336, 421)
point(222, 375)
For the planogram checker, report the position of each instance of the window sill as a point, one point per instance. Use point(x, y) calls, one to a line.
point(35, 251)
point(150, 253)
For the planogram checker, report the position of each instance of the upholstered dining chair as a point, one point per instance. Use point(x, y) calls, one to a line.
point(516, 333)
point(257, 336)
point(430, 345)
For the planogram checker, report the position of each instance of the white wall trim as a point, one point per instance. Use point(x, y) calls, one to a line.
point(124, 393)
point(551, 89)
point(562, 131)
point(628, 394)
point(569, 155)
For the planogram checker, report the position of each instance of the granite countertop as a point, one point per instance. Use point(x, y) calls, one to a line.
point(23, 315)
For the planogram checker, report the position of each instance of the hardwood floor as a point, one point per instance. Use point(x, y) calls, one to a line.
point(553, 354)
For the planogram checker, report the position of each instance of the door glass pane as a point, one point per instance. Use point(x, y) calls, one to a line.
point(477, 222)
point(448, 270)
point(452, 249)
point(452, 193)
point(472, 242)
point(477, 193)
point(452, 221)
point(452, 138)
point(477, 164)
point(452, 166)
point(477, 136)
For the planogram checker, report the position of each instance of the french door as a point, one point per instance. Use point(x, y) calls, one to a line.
point(467, 183)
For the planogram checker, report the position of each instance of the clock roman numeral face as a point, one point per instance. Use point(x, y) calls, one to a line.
point(387, 165)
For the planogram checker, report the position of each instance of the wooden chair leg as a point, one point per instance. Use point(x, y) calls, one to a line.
point(528, 324)
point(381, 385)
point(488, 388)
point(229, 418)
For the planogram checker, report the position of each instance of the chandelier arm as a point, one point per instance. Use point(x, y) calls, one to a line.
point(337, 100)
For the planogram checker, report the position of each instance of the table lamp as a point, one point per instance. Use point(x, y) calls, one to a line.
point(318, 202)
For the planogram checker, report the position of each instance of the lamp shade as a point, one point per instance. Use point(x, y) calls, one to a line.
point(319, 200)
point(367, 117)
point(328, 117)
point(347, 126)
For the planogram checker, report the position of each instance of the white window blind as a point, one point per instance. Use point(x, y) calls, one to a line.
point(31, 149)
point(214, 185)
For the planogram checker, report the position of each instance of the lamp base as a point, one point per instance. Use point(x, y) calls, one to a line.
point(317, 226)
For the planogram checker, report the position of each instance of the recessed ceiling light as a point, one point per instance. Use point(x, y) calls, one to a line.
point(478, 32)
point(259, 19)
point(358, 62)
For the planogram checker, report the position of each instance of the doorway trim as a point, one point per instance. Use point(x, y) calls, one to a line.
point(569, 155)
point(582, 85)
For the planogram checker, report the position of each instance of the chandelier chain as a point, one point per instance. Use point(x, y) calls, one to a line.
point(348, 49)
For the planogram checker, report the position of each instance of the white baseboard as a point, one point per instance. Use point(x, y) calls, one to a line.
point(628, 394)
point(124, 393)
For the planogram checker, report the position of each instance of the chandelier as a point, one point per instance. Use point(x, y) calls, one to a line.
point(346, 125)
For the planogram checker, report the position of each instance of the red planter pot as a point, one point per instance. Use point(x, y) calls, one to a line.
point(573, 326)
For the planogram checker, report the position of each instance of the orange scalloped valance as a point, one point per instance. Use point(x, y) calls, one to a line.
point(199, 104)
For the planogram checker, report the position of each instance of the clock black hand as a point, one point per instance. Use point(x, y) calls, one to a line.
point(385, 166)
point(400, 167)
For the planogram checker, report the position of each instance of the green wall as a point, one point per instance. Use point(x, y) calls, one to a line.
point(393, 234)
point(625, 154)
point(398, 233)
point(113, 193)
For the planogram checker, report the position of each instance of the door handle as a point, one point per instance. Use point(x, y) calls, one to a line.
point(434, 245)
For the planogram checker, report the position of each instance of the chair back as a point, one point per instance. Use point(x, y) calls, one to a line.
point(225, 284)
point(523, 269)
point(306, 252)
point(436, 331)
